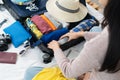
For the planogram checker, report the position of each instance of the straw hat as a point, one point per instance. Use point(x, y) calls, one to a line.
point(66, 10)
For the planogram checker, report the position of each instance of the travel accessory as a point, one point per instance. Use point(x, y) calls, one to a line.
point(26, 47)
point(4, 41)
point(8, 57)
point(66, 10)
point(46, 58)
point(18, 33)
point(71, 43)
point(45, 49)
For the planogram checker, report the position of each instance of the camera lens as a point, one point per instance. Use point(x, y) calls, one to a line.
point(3, 45)
point(47, 58)
point(8, 39)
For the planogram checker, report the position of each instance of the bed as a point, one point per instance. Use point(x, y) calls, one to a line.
point(33, 57)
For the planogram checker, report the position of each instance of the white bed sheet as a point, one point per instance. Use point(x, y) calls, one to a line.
point(33, 56)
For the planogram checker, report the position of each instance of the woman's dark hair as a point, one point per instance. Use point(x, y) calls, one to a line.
point(112, 19)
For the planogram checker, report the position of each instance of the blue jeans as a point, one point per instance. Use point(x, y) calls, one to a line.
point(31, 72)
point(96, 29)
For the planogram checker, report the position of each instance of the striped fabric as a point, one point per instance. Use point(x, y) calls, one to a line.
point(85, 25)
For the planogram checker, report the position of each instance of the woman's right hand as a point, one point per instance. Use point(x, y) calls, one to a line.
point(73, 35)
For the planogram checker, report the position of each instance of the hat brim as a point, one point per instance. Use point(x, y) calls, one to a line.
point(66, 16)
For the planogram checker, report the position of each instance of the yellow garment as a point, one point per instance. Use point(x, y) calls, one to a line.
point(33, 28)
point(37, 32)
point(53, 73)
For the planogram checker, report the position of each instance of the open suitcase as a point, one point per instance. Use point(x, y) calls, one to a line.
point(43, 45)
point(21, 12)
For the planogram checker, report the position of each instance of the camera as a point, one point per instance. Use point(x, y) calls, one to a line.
point(4, 41)
point(47, 57)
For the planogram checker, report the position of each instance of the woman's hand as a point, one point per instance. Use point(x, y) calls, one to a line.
point(53, 45)
point(73, 35)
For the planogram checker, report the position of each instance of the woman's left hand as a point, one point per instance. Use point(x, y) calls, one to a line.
point(53, 45)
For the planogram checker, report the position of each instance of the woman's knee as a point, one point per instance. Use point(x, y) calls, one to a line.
point(31, 72)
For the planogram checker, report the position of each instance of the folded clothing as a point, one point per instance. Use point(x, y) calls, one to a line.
point(54, 35)
point(57, 24)
point(41, 24)
point(49, 22)
point(85, 25)
point(31, 26)
point(18, 33)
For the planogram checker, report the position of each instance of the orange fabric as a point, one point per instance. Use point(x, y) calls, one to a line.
point(49, 22)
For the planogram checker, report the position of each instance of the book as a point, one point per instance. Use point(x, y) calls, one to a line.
point(8, 57)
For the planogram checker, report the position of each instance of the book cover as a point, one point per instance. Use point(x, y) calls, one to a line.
point(8, 57)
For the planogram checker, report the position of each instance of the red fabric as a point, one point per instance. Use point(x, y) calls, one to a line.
point(41, 24)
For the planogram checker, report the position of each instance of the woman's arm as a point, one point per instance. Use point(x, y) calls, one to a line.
point(87, 60)
point(90, 35)
point(86, 35)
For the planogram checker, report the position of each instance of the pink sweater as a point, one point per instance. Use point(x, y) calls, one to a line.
point(90, 58)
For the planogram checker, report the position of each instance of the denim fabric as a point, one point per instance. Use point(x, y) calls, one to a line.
point(88, 16)
point(85, 25)
point(96, 29)
point(22, 12)
point(31, 72)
